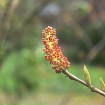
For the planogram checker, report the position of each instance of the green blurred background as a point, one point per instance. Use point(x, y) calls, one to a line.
point(25, 77)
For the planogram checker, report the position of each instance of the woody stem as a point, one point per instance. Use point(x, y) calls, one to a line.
point(73, 77)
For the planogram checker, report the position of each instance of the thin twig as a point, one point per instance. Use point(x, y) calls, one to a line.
point(79, 31)
point(95, 50)
point(73, 77)
point(6, 20)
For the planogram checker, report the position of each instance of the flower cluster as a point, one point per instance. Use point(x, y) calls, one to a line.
point(52, 50)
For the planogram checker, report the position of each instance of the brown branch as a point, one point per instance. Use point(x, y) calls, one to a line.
point(6, 19)
point(11, 6)
point(95, 50)
point(79, 32)
point(73, 77)
point(5, 25)
point(35, 12)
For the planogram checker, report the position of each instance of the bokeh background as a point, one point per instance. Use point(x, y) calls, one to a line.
point(25, 77)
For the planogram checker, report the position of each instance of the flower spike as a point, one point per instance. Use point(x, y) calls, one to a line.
point(52, 50)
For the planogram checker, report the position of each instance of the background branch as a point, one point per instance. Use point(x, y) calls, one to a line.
point(5, 22)
point(6, 19)
point(95, 50)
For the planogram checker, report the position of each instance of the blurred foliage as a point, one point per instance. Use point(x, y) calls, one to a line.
point(23, 69)
point(18, 72)
point(3, 3)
